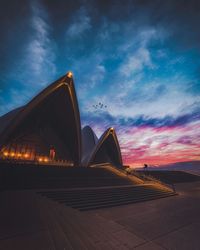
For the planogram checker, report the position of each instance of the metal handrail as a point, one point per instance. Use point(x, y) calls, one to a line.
point(152, 178)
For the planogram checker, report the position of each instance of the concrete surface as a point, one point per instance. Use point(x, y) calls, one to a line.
point(29, 221)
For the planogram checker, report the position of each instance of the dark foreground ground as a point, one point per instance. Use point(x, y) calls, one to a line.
point(172, 223)
point(30, 221)
point(33, 216)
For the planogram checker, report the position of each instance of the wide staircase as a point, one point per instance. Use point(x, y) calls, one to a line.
point(95, 198)
point(79, 187)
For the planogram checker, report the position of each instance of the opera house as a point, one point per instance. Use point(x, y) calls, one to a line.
point(61, 187)
point(48, 130)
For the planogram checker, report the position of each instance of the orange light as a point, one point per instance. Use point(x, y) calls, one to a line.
point(19, 155)
point(26, 155)
point(40, 159)
point(46, 159)
point(12, 154)
point(112, 130)
point(5, 153)
point(69, 74)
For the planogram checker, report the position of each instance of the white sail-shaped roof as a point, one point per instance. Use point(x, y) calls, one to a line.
point(56, 108)
point(107, 150)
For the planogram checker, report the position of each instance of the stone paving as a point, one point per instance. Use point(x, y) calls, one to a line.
point(172, 223)
point(29, 221)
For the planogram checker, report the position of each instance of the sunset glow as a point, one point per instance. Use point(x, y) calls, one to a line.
point(135, 69)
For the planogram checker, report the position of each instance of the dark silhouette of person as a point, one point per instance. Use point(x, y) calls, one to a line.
point(145, 166)
point(128, 171)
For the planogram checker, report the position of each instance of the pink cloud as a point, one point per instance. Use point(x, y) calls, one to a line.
point(160, 145)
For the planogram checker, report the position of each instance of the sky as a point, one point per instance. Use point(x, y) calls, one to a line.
point(136, 67)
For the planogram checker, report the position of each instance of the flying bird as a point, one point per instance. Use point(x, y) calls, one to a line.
point(99, 106)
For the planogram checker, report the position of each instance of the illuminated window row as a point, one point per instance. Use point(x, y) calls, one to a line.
point(17, 155)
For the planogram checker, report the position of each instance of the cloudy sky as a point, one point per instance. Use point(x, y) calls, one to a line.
point(136, 67)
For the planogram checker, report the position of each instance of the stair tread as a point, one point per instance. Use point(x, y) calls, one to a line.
point(118, 201)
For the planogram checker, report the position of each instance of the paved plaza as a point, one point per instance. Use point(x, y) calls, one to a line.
point(30, 221)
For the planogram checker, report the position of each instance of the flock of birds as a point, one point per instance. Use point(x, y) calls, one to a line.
point(99, 106)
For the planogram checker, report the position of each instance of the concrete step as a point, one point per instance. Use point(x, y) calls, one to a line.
point(83, 199)
point(120, 203)
point(116, 199)
point(107, 197)
point(74, 192)
point(94, 195)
